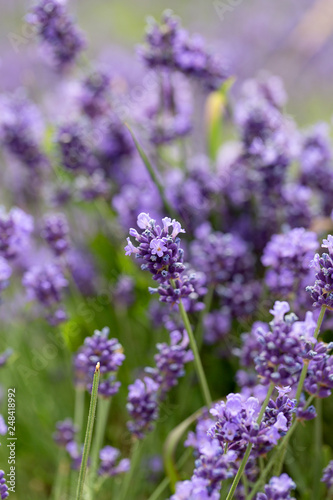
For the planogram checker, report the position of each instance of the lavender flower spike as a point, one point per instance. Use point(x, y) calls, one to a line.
point(322, 291)
point(3, 487)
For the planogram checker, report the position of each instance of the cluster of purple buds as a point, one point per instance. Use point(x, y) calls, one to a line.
point(92, 187)
point(93, 97)
point(170, 361)
point(20, 127)
point(278, 488)
point(142, 406)
point(45, 284)
point(279, 360)
point(75, 452)
point(322, 291)
point(110, 465)
point(162, 256)
point(57, 30)
point(3, 487)
point(55, 231)
point(195, 489)
point(319, 378)
point(288, 256)
point(15, 229)
point(65, 433)
point(328, 475)
point(109, 353)
point(237, 426)
point(168, 45)
point(75, 151)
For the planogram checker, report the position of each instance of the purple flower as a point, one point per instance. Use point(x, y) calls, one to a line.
point(57, 30)
point(15, 229)
point(75, 151)
point(93, 98)
point(65, 432)
point(108, 352)
point(110, 465)
point(55, 231)
point(322, 291)
point(3, 487)
point(5, 273)
point(195, 489)
point(288, 256)
point(20, 131)
point(142, 406)
point(157, 247)
point(328, 475)
point(45, 283)
point(278, 488)
point(3, 426)
point(168, 45)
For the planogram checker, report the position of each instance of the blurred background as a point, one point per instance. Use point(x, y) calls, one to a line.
point(291, 39)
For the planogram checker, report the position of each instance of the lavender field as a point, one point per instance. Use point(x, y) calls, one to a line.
point(166, 250)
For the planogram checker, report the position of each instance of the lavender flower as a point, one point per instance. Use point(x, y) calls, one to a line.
point(57, 30)
point(109, 466)
point(195, 489)
point(328, 475)
point(278, 488)
point(288, 256)
point(319, 379)
point(168, 45)
point(142, 406)
point(99, 348)
point(3, 487)
point(279, 360)
point(3, 426)
point(93, 97)
point(20, 131)
point(45, 283)
point(76, 153)
point(5, 273)
point(55, 231)
point(65, 433)
point(170, 361)
point(75, 454)
point(322, 291)
point(162, 256)
point(15, 229)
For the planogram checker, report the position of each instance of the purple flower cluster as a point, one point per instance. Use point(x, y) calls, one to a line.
point(5, 273)
point(75, 150)
point(55, 231)
point(20, 130)
point(65, 433)
point(109, 466)
point(163, 258)
point(279, 360)
point(3, 487)
point(109, 353)
point(142, 406)
point(93, 98)
point(237, 426)
point(168, 45)
point(145, 395)
point(57, 30)
point(15, 229)
point(319, 379)
point(322, 291)
point(288, 257)
point(278, 488)
point(328, 475)
point(170, 361)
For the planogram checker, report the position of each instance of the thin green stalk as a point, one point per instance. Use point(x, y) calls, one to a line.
point(197, 360)
point(89, 431)
point(317, 462)
point(249, 446)
point(60, 480)
point(78, 422)
point(101, 421)
point(135, 458)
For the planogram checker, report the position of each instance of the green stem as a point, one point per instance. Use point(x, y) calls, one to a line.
point(89, 431)
point(249, 446)
point(197, 360)
point(101, 421)
point(317, 463)
point(135, 458)
point(78, 422)
point(59, 482)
